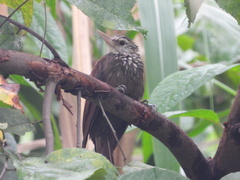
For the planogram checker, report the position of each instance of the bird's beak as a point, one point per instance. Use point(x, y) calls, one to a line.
point(106, 38)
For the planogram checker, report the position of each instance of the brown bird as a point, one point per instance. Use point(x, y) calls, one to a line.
point(121, 66)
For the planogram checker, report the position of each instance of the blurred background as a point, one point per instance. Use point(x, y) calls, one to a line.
point(172, 44)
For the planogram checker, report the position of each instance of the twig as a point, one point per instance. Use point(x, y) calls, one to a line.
point(45, 29)
point(78, 119)
point(46, 43)
point(4, 168)
point(46, 113)
point(113, 130)
point(13, 13)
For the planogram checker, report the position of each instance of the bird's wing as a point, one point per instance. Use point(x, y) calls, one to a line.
point(91, 110)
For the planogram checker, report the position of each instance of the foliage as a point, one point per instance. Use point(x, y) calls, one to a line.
point(66, 164)
point(210, 86)
point(110, 16)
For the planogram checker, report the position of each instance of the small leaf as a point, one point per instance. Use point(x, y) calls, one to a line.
point(142, 171)
point(17, 122)
point(113, 14)
point(200, 113)
point(70, 163)
point(181, 84)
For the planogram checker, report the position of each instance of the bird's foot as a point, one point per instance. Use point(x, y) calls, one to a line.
point(150, 106)
point(122, 88)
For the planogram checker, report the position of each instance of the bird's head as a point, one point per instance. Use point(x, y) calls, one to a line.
point(119, 44)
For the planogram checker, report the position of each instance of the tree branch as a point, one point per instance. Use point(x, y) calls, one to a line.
point(46, 43)
point(134, 112)
point(226, 159)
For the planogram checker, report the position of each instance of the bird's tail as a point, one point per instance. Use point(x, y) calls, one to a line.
point(106, 146)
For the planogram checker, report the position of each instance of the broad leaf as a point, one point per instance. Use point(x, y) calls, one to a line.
point(17, 122)
point(113, 14)
point(138, 170)
point(181, 84)
point(232, 7)
point(70, 163)
point(231, 176)
point(53, 34)
point(26, 9)
point(8, 38)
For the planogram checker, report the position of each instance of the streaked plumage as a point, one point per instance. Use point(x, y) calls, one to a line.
point(121, 66)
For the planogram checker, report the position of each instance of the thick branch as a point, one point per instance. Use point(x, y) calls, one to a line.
point(226, 159)
point(134, 112)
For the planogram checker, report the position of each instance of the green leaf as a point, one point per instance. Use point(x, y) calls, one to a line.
point(136, 166)
point(208, 42)
point(18, 123)
point(198, 128)
point(26, 9)
point(52, 4)
point(160, 43)
point(232, 7)
point(9, 39)
point(147, 146)
point(181, 84)
point(113, 14)
point(200, 113)
point(53, 35)
point(70, 163)
point(138, 170)
point(57, 138)
point(185, 42)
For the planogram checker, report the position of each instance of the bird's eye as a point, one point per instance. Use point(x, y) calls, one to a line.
point(122, 42)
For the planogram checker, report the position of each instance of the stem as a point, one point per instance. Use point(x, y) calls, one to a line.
point(46, 114)
point(79, 119)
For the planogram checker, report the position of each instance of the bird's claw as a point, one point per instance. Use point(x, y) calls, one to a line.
point(122, 88)
point(150, 106)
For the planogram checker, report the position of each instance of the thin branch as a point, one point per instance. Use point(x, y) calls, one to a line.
point(46, 114)
point(79, 119)
point(113, 131)
point(45, 28)
point(4, 168)
point(46, 43)
point(13, 13)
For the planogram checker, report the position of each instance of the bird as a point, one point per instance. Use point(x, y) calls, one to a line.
point(121, 66)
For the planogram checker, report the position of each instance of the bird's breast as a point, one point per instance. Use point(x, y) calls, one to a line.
point(124, 70)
